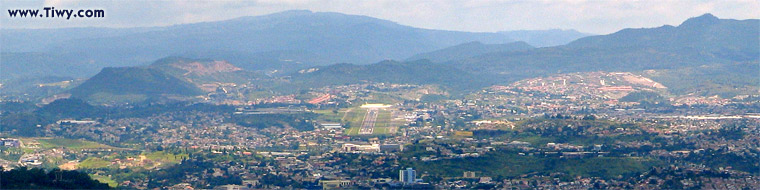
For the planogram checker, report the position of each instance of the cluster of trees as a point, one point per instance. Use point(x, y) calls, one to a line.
point(645, 98)
point(36, 178)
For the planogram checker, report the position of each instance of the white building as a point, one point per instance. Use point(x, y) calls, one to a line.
point(407, 176)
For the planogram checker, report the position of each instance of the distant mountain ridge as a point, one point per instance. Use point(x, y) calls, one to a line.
point(469, 49)
point(420, 72)
point(704, 42)
point(254, 43)
point(724, 38)
point(704, 55)
point(545, 38)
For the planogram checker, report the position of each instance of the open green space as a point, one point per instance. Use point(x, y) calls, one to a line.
point(94, 163)
point(105, 179)
point(382, 98)
point(330, 115)
point(353, 120)
point(383, 122)
point(69, 143)
point(162, 156)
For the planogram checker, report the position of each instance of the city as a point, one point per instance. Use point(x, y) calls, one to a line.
point(300, 99)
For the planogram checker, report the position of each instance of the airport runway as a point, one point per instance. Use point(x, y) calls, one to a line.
point(368, 125)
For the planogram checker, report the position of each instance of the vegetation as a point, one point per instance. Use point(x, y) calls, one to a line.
point(35, 178)
point(468, 50)
point(506, 163)
point(163, 156)
point(105, 179)
point(94, 163)
point(69, 143)
point(692, 56)
point(300, 121)
point(416, 72)
point(134, 80)
point(562, 129)
point(645, 98)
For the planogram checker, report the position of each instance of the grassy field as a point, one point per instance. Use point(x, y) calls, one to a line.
point(94, 163)
point(352, 131)
point(353, 118)
point(380, 131)
point(383, 122)
point(330, 116)
point(383, 119)
point(161, 156)
point(68, 143)
point(382, 98)
point(105, 179)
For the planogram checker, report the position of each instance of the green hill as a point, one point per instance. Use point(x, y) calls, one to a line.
point(133, 81)
point(700, 45)
point(414, 72)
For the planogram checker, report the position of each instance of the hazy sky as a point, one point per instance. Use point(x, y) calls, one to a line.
point(596, 16)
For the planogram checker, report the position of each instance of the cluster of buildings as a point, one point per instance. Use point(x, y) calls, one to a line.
point(454, 129)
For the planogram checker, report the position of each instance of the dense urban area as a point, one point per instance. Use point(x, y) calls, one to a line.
point(567, 131)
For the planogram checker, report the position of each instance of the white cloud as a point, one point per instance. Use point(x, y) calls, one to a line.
point(595, 16)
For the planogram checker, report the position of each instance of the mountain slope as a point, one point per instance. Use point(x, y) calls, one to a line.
point(138, 81)
point(414, 72)
point(308, 38)
point(545, 38)
point(467, 50)
point(735, 40)
point(705, 46)
point(166, 77)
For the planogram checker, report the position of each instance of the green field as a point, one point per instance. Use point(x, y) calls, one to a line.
point(329, 115)
point(94, 163)
point(382, 98)
point(69, 143)
point(383, 122)
point(161, 156)
point(105, 179)
point(380, 131)
point(353, 119)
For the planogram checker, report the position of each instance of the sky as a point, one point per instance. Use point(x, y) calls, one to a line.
point(590, 16)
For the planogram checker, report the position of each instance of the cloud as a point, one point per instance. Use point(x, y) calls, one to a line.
point(595, 16)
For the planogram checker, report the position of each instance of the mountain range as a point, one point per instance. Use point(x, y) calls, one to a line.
point(470, 49)
point(704, 55)
point(254, 43)
point(545, 38)
point(700, 43)
point(282, 42)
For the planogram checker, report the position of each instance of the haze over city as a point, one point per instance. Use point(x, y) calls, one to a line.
point(589, 16)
